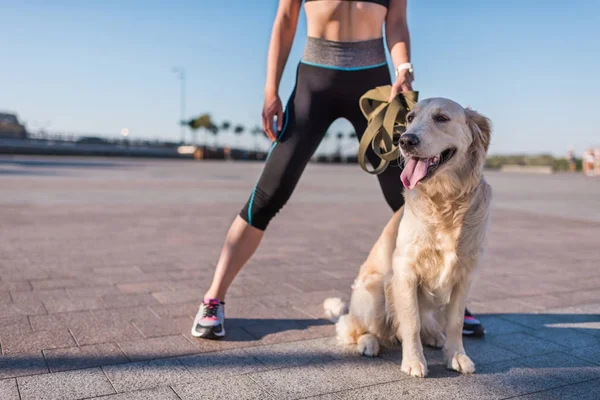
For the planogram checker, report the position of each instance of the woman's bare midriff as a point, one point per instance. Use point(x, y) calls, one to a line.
point(344, 21)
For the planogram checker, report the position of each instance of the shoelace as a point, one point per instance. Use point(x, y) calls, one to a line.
point(210, 309)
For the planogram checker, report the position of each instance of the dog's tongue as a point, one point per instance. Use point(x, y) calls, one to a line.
point(415, 169)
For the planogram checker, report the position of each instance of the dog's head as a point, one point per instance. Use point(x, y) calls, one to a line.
point(443, 141)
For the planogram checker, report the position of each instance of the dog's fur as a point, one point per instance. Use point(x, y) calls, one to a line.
point(414, 283)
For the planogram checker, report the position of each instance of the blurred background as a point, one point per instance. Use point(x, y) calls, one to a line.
point(185, 78)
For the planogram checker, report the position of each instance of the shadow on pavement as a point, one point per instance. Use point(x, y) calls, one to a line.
point(513, 342)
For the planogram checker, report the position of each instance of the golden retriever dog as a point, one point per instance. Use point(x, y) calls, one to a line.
point(413, 285)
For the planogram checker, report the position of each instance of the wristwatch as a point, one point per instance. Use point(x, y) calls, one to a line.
point(404, 66)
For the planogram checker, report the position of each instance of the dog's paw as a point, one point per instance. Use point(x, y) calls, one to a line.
point(368, 345)
point(435, 340)
point(462, 363)
point(414, 367)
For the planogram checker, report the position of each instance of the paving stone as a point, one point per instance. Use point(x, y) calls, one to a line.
point(525, 345)
point(455, 388)
point(22, 308)
point(177, 310)
point(124, 315)
point(14, 325)
point(94, 241)
point(566, 337)
point(514, 378)
point(292, 354)
point(582, 391)
point(161, 393)
point(166, 346)
point(22, 364)
point(61, 321)
point(147, 374)
point(297, 382)
point(143, 287)
point(154, 327)
point(65, 385)
point(360, 371)
point(70, 304)
point(95, 291)
point(15, 286)
point(8, 389)
point(561, 366)
point(39, 295)
point(26, 342)
point(117, 271)
point(84, 357)
point(180, 296)
point(221, 364)
point(235, 338)
point(129, 300)
point(5, 297)
point(499, 326)
point(105, 334)
point(482, 351)
point(280, 331)
point(55, 283)
point(241, 388)
point(591, 354)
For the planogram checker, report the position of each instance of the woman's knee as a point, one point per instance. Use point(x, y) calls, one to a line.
point(262, 207)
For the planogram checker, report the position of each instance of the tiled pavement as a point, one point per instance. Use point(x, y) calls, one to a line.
point(102, 263)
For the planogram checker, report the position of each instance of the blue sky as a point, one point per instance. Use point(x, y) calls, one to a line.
point(98, 66)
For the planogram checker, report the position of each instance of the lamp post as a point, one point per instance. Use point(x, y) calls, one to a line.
point(180, 71)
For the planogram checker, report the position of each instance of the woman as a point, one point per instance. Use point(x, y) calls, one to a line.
point(344, 57)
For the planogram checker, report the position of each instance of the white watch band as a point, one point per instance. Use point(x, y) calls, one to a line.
point(404, 66)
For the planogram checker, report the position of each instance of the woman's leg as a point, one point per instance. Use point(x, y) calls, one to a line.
point(241, 242)
point(306, 120)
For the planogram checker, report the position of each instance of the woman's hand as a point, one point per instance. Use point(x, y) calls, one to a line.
point(403, 83)
point(272, 108)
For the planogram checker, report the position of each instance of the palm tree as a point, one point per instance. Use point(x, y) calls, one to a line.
point(239, 129)
point(215, 131)
point(204, 121)
point(225, 126)
point(257, 130)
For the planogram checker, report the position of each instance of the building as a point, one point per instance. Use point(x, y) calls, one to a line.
point(10, 127)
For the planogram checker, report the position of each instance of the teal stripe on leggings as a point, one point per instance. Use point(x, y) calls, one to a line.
point(285, 123)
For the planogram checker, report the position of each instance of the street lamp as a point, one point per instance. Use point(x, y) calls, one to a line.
point(180, 71)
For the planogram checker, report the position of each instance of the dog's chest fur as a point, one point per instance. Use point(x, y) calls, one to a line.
point(431, 238)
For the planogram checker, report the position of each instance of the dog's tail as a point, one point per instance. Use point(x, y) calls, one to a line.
point(334, 308)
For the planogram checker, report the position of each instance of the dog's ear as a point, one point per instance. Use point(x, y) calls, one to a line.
point(481, 128)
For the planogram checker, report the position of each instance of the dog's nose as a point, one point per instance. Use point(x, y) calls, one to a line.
point(409, 141)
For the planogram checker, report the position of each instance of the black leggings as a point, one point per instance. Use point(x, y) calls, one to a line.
point(321, 96)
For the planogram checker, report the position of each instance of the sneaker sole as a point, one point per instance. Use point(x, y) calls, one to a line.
point(208, 333)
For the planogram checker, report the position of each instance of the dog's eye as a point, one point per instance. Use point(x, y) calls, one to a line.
point(409, 118)
point(440, 118)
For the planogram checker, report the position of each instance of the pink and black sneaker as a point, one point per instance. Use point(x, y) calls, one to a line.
point(210, 320)
point(472, 326)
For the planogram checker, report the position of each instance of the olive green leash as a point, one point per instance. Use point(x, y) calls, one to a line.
point(384, 119)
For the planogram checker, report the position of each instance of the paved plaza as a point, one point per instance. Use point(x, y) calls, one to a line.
point(103, 263)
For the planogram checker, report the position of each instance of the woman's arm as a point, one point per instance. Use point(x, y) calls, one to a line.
point(398, 41)
point(282, 37)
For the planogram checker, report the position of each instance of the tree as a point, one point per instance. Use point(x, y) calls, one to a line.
point(239, 129)
point(225, 126)
point(256, 131)
point(215, 132)
point(204, 121)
